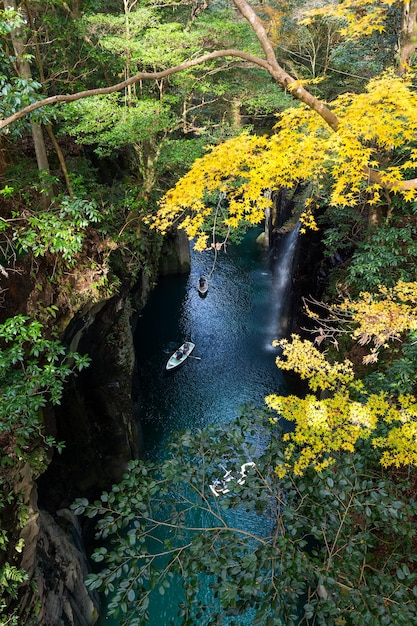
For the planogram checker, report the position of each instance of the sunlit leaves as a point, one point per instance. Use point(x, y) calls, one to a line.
point(371, 127)
point(227, 164)
point(304, 359)
point(399, 445)
point(356, 20)
point(348, 412)
point(108, 123)
point(383, 316)
point(323, 428)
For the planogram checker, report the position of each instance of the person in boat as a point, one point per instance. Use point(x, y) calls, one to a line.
point(202, 281)
point(178, 355)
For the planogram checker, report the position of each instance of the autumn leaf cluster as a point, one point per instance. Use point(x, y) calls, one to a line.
point(373, 127)
point(356, 19)
point(339, 411)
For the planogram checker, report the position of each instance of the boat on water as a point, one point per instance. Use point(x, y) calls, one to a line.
point(180, 355)
point(202, 285)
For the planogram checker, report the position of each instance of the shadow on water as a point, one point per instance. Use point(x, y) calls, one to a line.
point(233, 328)
point(233, 333)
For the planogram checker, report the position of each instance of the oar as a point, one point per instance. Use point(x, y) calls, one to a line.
point(198, 358)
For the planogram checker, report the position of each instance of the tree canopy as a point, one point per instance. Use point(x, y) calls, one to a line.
point(302, 549)
point(173, 93)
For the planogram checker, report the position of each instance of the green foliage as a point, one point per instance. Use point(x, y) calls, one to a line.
point(326, 548)
point(388, 255)
point(109, 123)
point(397, 371)
point(16, 94)
point(177, 156)
point(10, 20)
point(266, 100)
point(155, 40)
point(11, 579)
point(341, 228)
point(33, 370)
point(60, 231)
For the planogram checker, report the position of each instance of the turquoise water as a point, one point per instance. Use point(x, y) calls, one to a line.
point(233, 328)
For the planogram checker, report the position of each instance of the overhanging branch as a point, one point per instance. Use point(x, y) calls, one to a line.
point(134, 79)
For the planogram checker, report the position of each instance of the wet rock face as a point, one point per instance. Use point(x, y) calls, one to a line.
point(175, 255)
point(55, 560)
point(97, 422)
point(61, 571)
point(96, 418)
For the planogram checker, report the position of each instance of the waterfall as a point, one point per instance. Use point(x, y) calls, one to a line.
point(282, 274)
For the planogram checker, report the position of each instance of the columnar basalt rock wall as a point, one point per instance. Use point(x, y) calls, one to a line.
point(97, 422)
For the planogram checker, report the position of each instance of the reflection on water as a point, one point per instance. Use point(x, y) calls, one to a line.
point(233, 328)
point(233, 332)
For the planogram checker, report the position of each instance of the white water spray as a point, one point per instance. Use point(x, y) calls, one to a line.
point(282, 274)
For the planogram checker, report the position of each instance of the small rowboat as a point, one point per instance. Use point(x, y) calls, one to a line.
point(202, 285)
point(180, 355)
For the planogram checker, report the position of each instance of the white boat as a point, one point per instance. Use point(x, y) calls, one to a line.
point(180, 355)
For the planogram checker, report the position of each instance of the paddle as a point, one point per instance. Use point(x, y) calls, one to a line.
point(198, 358)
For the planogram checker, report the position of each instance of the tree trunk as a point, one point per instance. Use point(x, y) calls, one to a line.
point(235, 114)
point(375, 217)
point(408, 36)
point(61, 159)
point(24, 71)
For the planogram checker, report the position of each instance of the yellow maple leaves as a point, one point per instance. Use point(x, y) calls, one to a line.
point(399, 445)
point(357, 19)
point(227, 166)
point(342, 412)
point(372, 126)
point(322, 428)
point(382, 317)
point(304, 359)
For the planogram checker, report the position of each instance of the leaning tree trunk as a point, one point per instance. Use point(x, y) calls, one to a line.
point(24, 71)
point(407, 43)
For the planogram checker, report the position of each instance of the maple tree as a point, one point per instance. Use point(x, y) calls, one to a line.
point(361, 146)
point(354, 154)
point(343, 408)
point(305, 149)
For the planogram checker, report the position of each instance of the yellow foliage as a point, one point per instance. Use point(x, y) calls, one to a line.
point(357, 19)
point(384, 316)
point(400, 444)
point(303, 148)
point(323, 428)
point(303, 358)
point(226, 166)
point(331, 425)
point(308, 221)
point(327, 427)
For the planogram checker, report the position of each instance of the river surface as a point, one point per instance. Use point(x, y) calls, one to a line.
point(232, 327)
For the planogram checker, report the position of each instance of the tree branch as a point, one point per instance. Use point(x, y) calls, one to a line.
point(134, 79)
point(270, 64)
